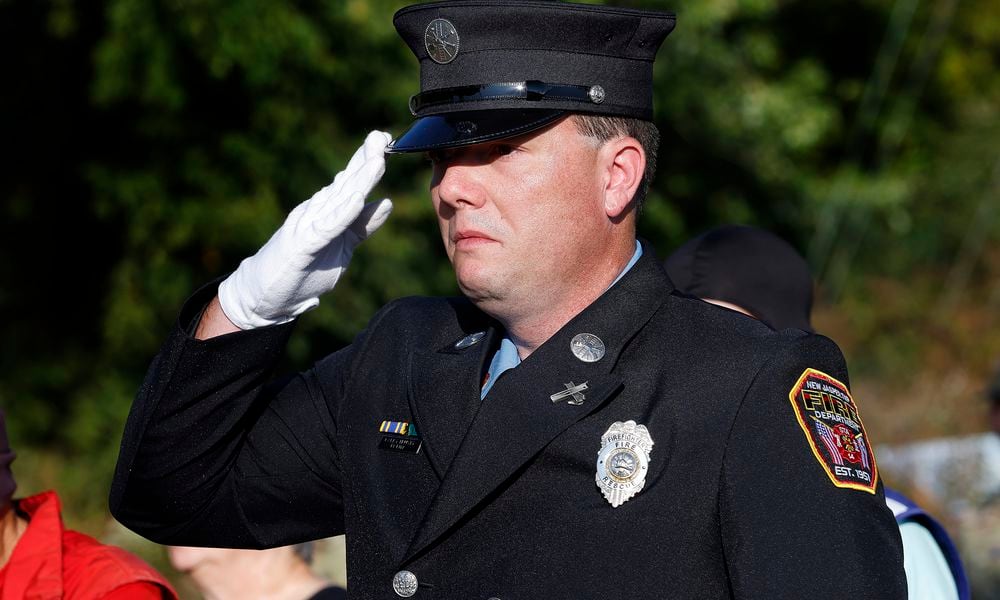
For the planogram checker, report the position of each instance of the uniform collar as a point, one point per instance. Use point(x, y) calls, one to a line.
point(506, 357)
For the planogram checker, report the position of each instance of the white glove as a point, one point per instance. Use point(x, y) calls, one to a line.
point(307, 255)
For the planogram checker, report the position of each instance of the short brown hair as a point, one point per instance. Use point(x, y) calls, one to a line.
point(603, 128)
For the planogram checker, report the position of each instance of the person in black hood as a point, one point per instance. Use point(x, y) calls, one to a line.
point(749, 270)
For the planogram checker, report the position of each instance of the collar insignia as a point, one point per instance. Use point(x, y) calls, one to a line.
point(573, 392)
point(587, 347)
point(470, 340)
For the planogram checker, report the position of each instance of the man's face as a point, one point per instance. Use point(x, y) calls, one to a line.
point(522, 219)
point(235, 573)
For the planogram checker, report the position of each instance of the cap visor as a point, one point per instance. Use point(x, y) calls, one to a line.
point(449, 130)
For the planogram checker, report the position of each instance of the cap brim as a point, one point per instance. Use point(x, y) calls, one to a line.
point(449, 130)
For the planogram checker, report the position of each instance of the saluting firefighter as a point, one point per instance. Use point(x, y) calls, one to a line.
point(571, 427)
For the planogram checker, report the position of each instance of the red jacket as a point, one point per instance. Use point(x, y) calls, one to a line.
point(51, 562)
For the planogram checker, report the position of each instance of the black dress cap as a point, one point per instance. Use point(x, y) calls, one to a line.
point(492, 69)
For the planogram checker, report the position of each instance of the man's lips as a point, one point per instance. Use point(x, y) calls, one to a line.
point(470, 237)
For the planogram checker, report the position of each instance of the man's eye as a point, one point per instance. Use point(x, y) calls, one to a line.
point(436, 156)
point(503, 149)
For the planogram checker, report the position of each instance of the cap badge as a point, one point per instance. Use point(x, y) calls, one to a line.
point(587, 347)
point(441, 41)
point(470, 340)
point(596, 94)
point(573, 392)
point(623, 461)
point(465, 127)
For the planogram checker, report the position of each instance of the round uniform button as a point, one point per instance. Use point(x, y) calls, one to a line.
point(405, 584)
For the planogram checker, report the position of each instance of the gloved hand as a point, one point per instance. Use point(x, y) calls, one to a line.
point(307, 255)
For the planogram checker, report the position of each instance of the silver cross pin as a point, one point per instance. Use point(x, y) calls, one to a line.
point(572, 391)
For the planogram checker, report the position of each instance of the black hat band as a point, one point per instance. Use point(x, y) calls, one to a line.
point(533, 91)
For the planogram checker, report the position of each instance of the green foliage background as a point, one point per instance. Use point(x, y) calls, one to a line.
point(149, 145)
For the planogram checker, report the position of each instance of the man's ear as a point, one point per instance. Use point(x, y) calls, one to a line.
point(625, 161)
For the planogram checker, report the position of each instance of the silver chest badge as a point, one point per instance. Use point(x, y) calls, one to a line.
point(587, 347)
point(441, 41)
point(623, 461)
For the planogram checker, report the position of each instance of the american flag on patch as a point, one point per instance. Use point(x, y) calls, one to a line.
point(826, 434)
point(860, 440)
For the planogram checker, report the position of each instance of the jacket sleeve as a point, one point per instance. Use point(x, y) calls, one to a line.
point(216, 453)
point(793, 524)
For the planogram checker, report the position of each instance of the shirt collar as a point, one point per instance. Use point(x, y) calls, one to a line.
point(506, 356)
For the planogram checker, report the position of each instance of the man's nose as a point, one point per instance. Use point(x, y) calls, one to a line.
point(460, 185)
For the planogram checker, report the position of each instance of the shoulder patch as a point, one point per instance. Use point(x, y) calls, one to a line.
point(829, 418)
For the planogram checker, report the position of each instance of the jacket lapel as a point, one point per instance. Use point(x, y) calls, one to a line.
point(444, 391)
point(518, 418)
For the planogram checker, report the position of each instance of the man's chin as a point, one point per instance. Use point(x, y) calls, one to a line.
point(480, 292)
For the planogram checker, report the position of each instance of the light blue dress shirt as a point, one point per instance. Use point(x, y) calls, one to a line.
point(506, 356)
point(928, 576)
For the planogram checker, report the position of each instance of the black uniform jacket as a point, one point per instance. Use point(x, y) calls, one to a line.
point(501, 501)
